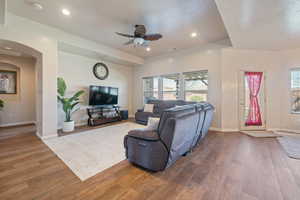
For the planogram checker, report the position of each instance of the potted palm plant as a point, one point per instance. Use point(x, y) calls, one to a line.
point(1, 104)
point(68, 104)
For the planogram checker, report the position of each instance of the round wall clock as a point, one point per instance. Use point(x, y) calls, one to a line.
point(100, 71)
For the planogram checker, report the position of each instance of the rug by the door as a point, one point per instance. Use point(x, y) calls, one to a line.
point(291, 145)
point(90, 152)
point(261, 134)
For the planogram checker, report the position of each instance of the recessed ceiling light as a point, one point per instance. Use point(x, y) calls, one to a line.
point(148, 49)
point(37, 6)
point(66, 12)
point(194, 34)
point(7, 48)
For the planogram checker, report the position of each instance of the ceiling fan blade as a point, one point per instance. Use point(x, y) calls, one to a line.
point(152, 37)
point(125, 35)
point(129, 42)
point(140, 31)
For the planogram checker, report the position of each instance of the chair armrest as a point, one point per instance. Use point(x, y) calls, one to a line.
point(144, 134)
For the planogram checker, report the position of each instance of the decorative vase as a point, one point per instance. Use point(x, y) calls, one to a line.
point(68, 126)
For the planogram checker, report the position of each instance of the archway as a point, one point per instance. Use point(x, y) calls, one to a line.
point(16, 49)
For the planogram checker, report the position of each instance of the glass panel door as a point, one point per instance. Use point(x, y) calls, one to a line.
point(252, 101)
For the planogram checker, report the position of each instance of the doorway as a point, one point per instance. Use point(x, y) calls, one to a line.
point(252, 100)
point(22, 105)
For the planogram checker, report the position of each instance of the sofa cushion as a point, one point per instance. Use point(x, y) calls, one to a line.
point(143, 116)
point(148, 108)
point(153, 123)
point(175, 112)
point(144, 134)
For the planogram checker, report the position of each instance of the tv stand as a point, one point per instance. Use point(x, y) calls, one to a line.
point(103, 114)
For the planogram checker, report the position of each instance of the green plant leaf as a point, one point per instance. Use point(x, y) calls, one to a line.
point(74, 104)
point(75, 110)
point(76, 96)
point(1, 103)
point(61, 86)
point(59, 98)
point(68, 104)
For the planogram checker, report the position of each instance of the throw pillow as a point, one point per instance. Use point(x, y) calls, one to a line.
point(153, 123)
point(149, 108)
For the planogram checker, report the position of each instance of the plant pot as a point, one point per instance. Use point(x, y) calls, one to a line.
point(68, 126)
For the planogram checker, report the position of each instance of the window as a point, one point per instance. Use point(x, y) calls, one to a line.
point(295, 90)
point(195, 86)
point(191, 86)
point(150, 85)
point(170, 89)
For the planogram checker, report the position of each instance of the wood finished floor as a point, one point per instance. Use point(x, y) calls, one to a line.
point(225, 166)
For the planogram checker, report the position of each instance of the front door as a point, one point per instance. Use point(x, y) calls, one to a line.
point(252, 101)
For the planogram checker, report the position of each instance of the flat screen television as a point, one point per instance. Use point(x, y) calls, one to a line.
point(101, 95)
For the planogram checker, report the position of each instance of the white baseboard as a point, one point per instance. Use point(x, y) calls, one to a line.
point(46, 137)
point(76, 124)
point(81, 124)
point(223, 129)
point(287, 130)
point(269, 129)
point(17, 124)
point(214, 129)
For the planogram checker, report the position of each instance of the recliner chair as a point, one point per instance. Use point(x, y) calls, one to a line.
point(179, 131)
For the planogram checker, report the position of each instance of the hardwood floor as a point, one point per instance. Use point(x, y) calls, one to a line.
point(225, 166)
point(7, 132)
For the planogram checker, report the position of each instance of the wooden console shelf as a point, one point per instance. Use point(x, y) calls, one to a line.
point(102, 115)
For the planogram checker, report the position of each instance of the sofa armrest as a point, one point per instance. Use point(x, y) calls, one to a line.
point(144, 134)
point(140, 110)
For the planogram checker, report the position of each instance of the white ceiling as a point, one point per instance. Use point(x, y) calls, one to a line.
point(262, 24)
point(98, 20)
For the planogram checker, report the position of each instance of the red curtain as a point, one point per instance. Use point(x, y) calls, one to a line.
point(254, 82)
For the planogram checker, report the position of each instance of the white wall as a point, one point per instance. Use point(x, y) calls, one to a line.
point(19, 108)
point(78, 74)
point(3, 6)
point(207, 58)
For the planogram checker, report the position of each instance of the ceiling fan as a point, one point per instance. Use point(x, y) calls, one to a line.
point(140, 38)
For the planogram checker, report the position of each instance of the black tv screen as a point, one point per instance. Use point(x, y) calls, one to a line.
point(100, 95)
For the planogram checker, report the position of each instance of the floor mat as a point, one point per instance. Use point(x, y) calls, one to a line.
point(261, 134)
point(90, 152)
point(291, 145)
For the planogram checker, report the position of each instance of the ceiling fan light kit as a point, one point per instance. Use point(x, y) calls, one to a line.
point(140, 38)
point(138, 41)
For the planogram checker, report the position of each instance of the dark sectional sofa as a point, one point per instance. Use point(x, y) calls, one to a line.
point(180, 129)
point(141, 117)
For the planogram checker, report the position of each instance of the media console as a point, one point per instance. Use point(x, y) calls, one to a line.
point(103, 114)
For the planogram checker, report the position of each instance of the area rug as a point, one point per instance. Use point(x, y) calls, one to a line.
point(90, 152)
point(291, 145)
point(261, 134)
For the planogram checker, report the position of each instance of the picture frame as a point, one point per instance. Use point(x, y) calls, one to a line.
point(8, 82)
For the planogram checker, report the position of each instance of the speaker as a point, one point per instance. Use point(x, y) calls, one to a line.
point(124, 114)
